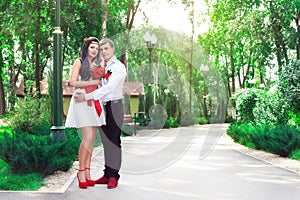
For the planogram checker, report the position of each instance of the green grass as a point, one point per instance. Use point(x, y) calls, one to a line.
point(295, 154)
point(18, 182)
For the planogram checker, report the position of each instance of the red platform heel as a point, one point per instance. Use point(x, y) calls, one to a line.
point(90, 182)
point(82, 185)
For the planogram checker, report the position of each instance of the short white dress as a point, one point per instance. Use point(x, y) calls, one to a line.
point(82, 115)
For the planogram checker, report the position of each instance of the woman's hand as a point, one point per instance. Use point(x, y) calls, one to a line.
point(79, 97)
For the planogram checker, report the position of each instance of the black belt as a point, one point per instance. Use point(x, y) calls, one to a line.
point(112, 101)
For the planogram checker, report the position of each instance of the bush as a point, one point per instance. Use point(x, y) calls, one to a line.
point(270, 109)
point(294, 118)
point(171, 123)
point(202, 120)
point(27, 153)
point(242, 134)
point(281, 140)
point(289, 85)
point(31, 116)
point(295, 154)
point(245, 102)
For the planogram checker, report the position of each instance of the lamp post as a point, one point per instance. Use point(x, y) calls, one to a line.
point(169, 105)
point(58, 134)
point(150, 40)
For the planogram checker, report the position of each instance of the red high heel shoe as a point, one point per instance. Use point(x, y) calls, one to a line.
point(82, 185)
point(90, 182)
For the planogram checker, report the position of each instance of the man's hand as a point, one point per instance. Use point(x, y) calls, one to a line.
point(79, 97)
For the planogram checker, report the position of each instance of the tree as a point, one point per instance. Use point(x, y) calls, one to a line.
point(104, 17)
point(289, 85)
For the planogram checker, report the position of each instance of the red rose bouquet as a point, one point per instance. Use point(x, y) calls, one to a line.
point(97, 73)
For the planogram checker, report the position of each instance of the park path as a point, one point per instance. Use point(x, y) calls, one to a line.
point(188, 163)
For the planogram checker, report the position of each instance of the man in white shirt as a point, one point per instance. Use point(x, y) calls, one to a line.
point(110, 93)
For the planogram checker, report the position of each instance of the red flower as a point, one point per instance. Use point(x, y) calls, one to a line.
point(85, 39)
point(99, 72)
point(107, 74)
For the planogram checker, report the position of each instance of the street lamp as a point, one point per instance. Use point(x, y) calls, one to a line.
point(169, 105)
point(57, 129)
point(150, 40)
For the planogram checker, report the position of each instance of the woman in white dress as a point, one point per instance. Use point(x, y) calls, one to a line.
point(85, 115)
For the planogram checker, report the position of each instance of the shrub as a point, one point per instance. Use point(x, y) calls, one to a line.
point(27, 153)
point(295, 154)
point(294, 118)
point(289, 85)
point(281, 140)
point(202, 120)
point(242, 134)
point(171, 123)
point(245, 102)
point(270, 109)
point(31, 116)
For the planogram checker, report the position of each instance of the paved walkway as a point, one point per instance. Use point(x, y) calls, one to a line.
point(188, 163)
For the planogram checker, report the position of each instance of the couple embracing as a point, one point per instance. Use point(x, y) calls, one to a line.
point(98, 76)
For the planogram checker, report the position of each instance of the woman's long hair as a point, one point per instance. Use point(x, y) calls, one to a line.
point(85, 72)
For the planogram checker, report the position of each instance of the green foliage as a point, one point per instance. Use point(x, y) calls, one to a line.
point(294, 118)
point(171, 123)
point(31, 115)
point(5, 130)
point(242, 134)
point(27, 153)
point(202, 120)
point(261, 107)
point(28, 182)
point(289, 85)
point(270, 109)
point(281, 140)
point(295, 154)
point(245, 102)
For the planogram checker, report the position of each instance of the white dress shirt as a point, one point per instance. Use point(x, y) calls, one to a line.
point(111, 89)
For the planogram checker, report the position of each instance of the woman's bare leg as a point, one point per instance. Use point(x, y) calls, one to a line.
point(86, 150)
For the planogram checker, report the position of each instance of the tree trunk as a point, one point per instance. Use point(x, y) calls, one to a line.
point(104, 17)
point(36, 53)
point(2, 94)
point(132, 10)
point(281, 50)
point(232, 67)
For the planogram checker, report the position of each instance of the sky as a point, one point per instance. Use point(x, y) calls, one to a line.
point(171, 16)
